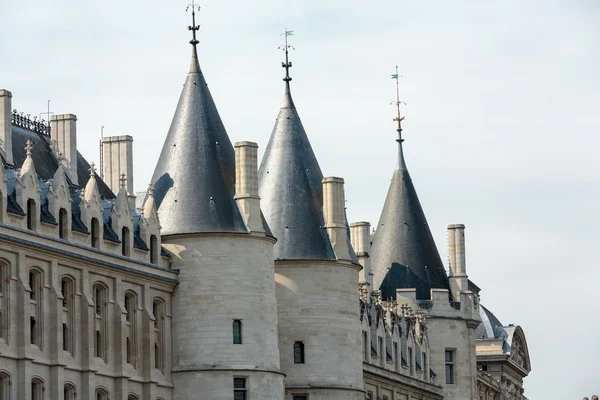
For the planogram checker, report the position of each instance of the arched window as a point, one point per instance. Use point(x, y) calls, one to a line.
point(31, 215)
point(69, 392)
point(95, 233)
point(153, 249)
point(101, 394)
point(37, 389)
point(4, 385)
point(131, 327)
point(100, 293)
point(158, 309)
point(63, 224)
point(132, 396)
point(125, 241)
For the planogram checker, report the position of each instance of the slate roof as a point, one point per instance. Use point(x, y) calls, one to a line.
point(45, 163)
point(490, 327)
point(291, 191)
point(195, 175)
point(403, 252)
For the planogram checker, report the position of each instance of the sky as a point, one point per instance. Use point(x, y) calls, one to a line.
point(502, 123)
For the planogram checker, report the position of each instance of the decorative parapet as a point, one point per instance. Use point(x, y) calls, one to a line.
point(25, 121)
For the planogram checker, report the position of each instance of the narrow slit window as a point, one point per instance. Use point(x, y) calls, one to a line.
point(95, 233)
point(125, 241)
point(237, 331)
point(298, 352)
point(31, 215)
point(153, 249)
point(65, 337)
point(449, 358)
point(63, 226)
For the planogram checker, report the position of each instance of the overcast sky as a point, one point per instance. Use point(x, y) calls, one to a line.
point(502, 123)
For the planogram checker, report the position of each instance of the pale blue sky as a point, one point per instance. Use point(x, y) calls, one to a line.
point(502, 123)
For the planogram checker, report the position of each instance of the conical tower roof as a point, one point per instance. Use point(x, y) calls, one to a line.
point(291, 191)
point(403, 252)
point(195, 175)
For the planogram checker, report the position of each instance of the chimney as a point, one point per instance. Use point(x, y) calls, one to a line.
point(456, 257)
point(63, 131)
point(335, 216)
point(360, 237)
point(246, 184)
point(117, 159)
point(6, 125)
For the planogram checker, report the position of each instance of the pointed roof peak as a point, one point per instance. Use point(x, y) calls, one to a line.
point(195, 173)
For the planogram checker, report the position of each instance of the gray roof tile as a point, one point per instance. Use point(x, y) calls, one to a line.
point(291, 191)
point(195, 174)
point(403, 252)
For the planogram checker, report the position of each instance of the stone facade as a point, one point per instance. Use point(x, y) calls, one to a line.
point(97, 303)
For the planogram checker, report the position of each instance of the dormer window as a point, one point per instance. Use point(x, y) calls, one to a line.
point(125, 241)
point(31, 215)
point(63, 226)
point(95, 233)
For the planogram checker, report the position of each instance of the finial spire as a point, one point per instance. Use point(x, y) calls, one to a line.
point(92, 169)
point(194, 27)
point(398, 118)
point(287, 64)
point(28, 148)
point(123, 179)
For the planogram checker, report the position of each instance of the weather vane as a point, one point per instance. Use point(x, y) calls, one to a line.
point(285, 47)
point(398, 118)
point(194, 27)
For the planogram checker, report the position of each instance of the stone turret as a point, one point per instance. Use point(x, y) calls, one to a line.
point(407, 267)
point(224, 308)
point(316, 270)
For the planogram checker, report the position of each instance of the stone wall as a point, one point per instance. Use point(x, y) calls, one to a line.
point(51, 313)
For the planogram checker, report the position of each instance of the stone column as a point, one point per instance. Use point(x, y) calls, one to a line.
point(6, 125)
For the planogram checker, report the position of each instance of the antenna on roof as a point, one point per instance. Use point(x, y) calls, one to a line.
point(101, 153)
point(285, 47)
point(47, 113)
point(193, 27)
point(398, 118)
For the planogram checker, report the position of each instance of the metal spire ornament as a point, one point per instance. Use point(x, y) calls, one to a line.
point(398, 118)
point(193, 27)
point(285, 47)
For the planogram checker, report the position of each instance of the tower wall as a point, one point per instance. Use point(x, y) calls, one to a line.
point(450, 328)
point(317, 305)
point(224, 277)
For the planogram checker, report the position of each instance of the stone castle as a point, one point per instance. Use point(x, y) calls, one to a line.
point(226, 280)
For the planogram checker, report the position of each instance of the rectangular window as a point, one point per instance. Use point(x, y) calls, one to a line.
point(425, 370)
point(237, 331)
point(450, 359)
point(396, 361)
point(239, 389)
point(380, 351)
point(298, 352)
point(300, 397)
point(98, 344)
